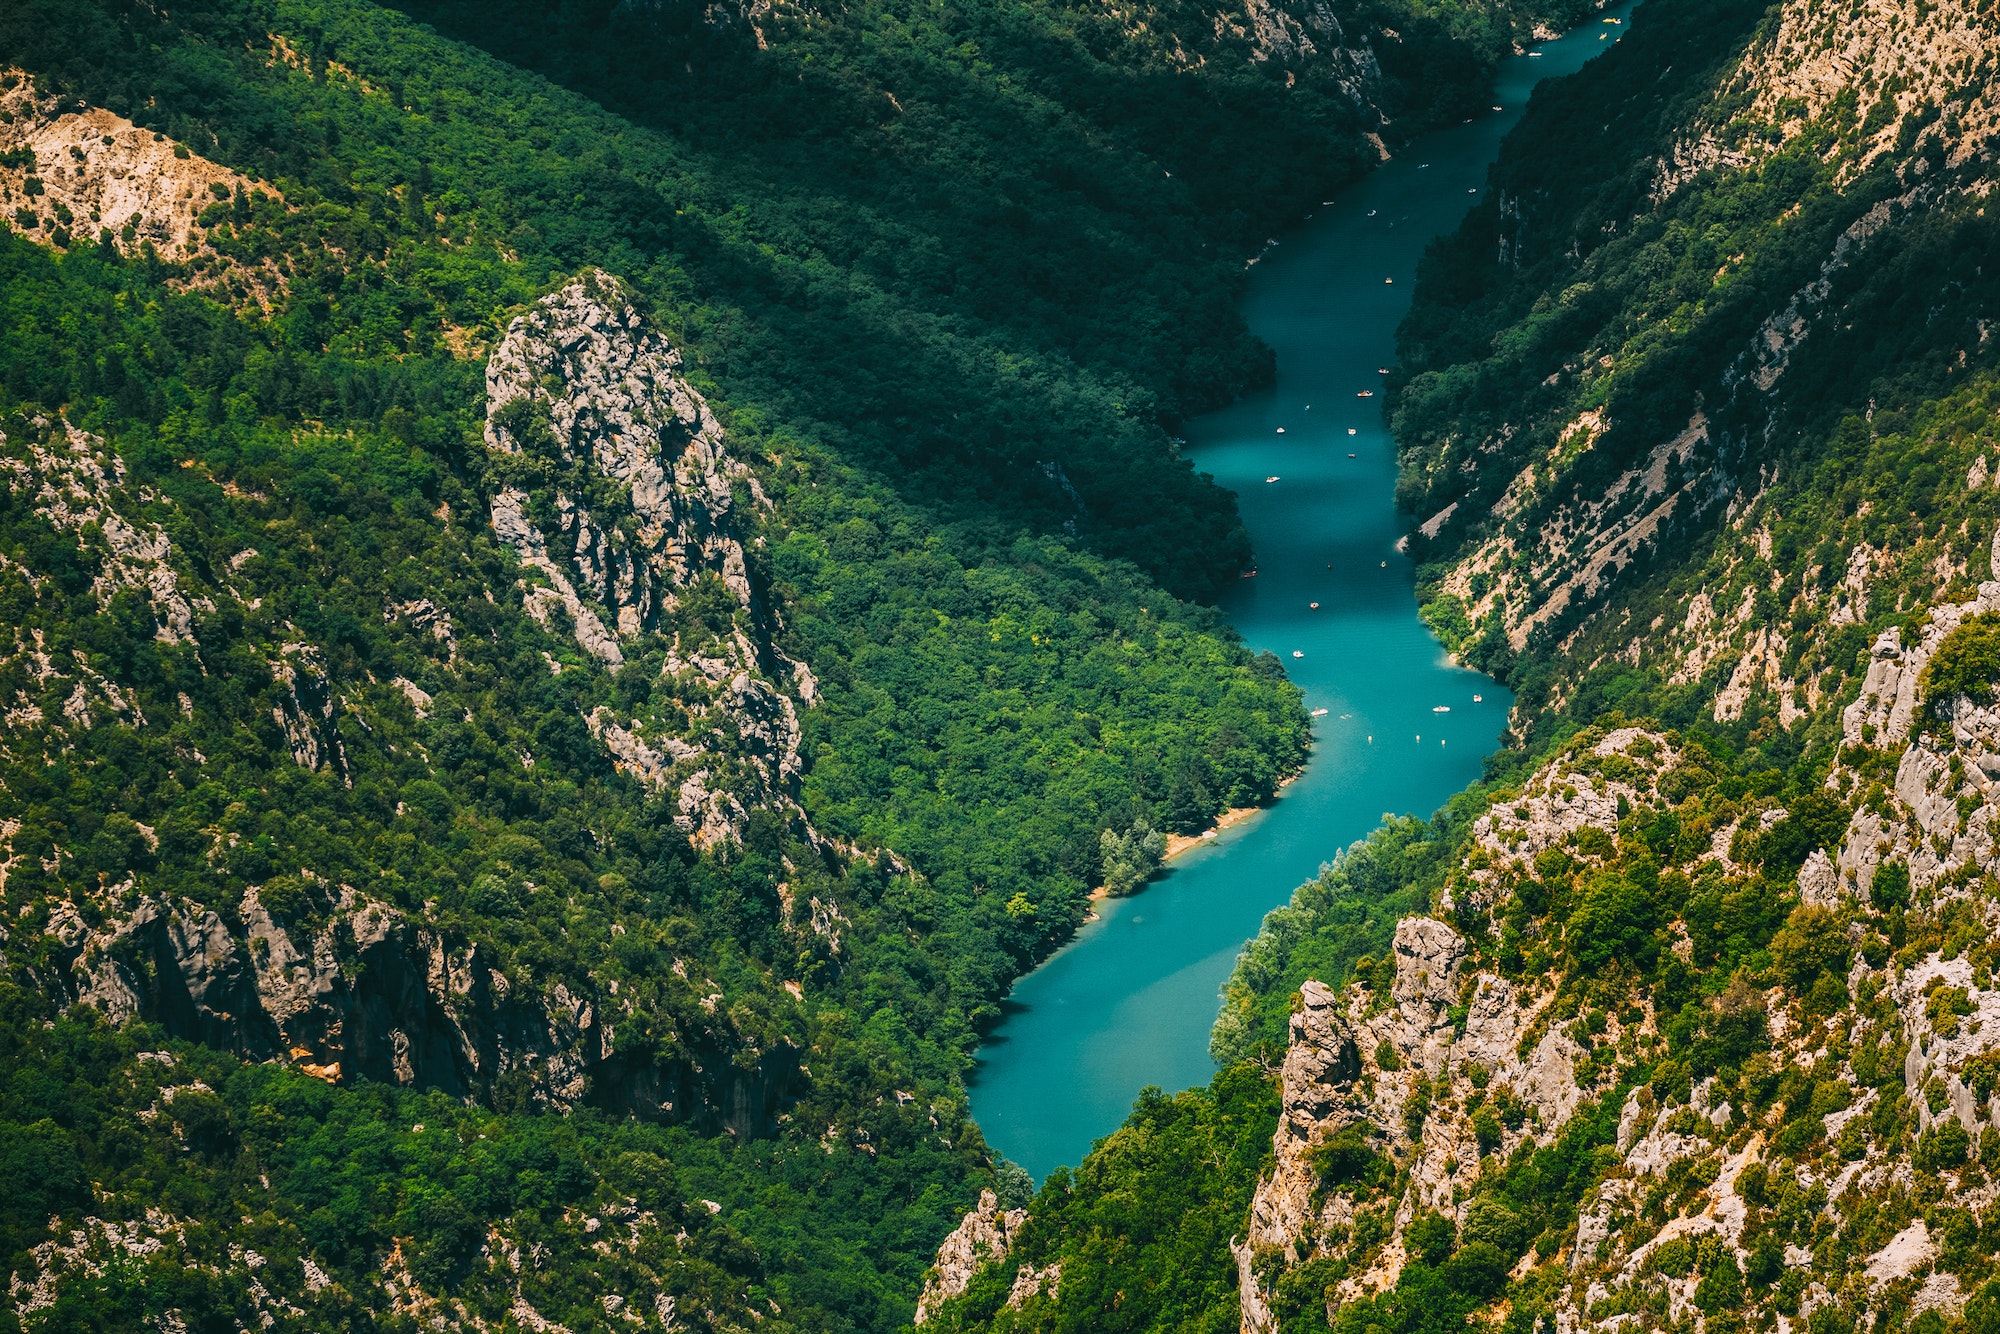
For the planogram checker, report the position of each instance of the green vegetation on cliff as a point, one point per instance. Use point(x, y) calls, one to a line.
point(948, 279)
point(1702, 396)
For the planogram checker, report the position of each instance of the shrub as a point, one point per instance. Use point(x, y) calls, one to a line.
point(1966, 663)
point(1890, 887)
point(1812, 941)
point(1944, 1145)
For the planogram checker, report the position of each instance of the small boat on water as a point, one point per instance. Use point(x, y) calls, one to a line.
point(1315, 606)
point(1248, 574)
point(1366, 393)
point(1371, 212)
point(1297, 654)
point(1281, 430)
point(1388, 282)
point(1473, 191)
point(1441, 708)
point(1477, 698)
point(1319, 713)
point(1350, 453)
point(1381, 370)
point(1271, 478)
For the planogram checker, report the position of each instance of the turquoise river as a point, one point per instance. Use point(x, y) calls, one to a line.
point(1130, 1001)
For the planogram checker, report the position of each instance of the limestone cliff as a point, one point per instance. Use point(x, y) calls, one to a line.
point(1603, 467)
point(1395, 1097)
point(984, 1236)
point(371, 995)
point(622, 504)
point(372, 982)
point(72, 173)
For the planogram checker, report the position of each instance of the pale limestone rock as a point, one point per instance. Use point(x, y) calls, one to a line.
point(110, 174)
point(1819, 880)
point(71, 482)
point(584, 380)
point(984, 1235)
point(370, 994)
point(1907, 1252)
point(1031, 1282)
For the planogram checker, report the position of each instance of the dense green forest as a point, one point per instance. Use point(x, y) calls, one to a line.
point(948, 278)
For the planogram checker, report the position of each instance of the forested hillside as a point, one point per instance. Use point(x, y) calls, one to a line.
point(1677, 1020)
point(585, 588)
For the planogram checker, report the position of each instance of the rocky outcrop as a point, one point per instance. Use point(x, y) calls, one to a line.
point(77, 484)
point(1399, 1077)
point(626, 513)
point(71, 172)
point(368, 994)
point(1941, 814)
point(1802, 64)
point(983, 1236)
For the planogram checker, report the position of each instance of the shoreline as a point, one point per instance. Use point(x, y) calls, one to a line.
point(1179, 843)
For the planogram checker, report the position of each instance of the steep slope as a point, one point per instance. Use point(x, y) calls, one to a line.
point(564, 644)
point(1678, 1020)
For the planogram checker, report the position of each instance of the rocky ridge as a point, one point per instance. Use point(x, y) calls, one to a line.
point(1702, 1206)
point(76, 173)
point(1543, 544)
point(984, 1236)
point(333, 977)
point(634, 511)
point(1439, 1069)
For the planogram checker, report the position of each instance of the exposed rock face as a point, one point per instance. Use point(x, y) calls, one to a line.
point(1546, 516)
point(982, 1237)
point(74, 482)
point(96, 173)
point(1443, 1067)
point(1939, 816)
point(1379, 1064)
point(371, 995)
point(1804, 63)
point(623, 507)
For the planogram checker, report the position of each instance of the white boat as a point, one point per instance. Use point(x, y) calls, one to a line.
point(1441, 708)
point(1281, 430)
point(1270, 479)
point(1297, 654)
point(1388, 282)
point(1319, 713)
point(1478, 698)
point(1315, 606)
point(1352, 431)
point(1371, 212)
point(1366, 393)
point(1350, 453)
